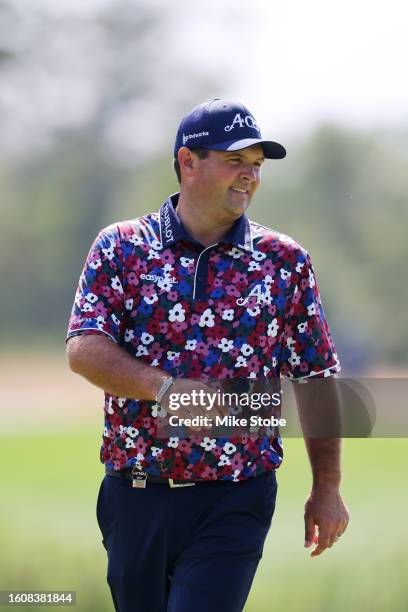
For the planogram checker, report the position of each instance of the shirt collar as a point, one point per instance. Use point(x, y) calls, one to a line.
point(172, 230)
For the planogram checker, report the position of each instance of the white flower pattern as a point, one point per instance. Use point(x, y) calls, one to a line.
point(187, 323)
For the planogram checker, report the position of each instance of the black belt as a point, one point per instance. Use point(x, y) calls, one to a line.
point(171, 482)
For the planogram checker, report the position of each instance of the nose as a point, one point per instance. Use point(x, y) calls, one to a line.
point(249, 173)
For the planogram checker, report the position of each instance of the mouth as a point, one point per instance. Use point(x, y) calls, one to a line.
point(238, 190)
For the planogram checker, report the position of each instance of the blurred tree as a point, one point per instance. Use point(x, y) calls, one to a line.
point(87, 91)
point(343, 196)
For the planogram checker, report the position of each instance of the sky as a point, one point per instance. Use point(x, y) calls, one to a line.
point(295, 64)
point(298, 63)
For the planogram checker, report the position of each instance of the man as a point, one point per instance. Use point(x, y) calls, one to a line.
point(198, 291)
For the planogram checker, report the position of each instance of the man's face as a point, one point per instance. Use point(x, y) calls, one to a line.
point(223, 184)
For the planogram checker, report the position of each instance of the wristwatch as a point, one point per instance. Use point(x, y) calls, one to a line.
point(164, 388)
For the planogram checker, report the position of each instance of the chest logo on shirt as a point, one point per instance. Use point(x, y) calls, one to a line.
point(156, 279)
point(260, 294)
point(166, 281)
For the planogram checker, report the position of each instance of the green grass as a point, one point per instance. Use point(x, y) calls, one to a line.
point(367, 568)
point(50, 538)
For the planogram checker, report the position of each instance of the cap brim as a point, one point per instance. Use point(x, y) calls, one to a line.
point(272, 150)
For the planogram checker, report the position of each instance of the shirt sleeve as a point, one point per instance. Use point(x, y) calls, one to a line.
point(98, 305)
point(307, 346)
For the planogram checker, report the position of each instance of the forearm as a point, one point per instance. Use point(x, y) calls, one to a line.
point(325, 461)
point(320, 417)
point(110, 367)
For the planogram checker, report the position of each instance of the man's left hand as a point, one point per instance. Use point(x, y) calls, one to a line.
point(326, 518)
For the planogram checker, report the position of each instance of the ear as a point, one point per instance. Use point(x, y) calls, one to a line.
point(186, 161)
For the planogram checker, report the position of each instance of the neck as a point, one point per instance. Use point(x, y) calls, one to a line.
point(199, 225)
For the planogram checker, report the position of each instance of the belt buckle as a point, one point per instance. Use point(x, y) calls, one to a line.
point(174, 485)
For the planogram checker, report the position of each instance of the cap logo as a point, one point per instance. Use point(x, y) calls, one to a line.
point(187, 137)
point(248, 121)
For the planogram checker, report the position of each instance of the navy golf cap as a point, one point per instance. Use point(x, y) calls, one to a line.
point(221, 125)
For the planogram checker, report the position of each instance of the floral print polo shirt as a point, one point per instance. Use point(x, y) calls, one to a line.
point(244, 307)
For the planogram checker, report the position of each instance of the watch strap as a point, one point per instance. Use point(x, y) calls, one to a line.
point(164, 388)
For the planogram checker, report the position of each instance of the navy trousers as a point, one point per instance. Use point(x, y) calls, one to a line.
point(192, 549)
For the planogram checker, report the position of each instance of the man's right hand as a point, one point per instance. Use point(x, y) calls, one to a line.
point(187, 398)
point(110, 367)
